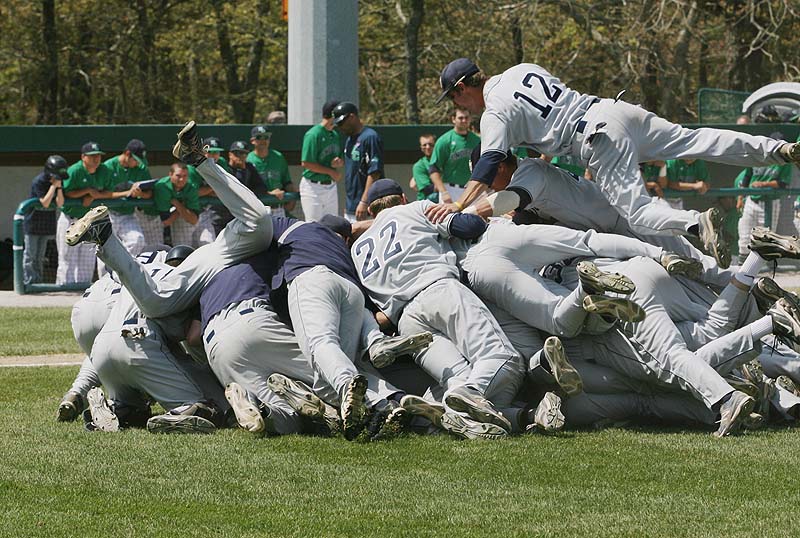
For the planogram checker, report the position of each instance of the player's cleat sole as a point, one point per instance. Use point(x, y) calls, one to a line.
point(392, 425)
point(677, 265)
point(710, 225)
point(71, 407)
point(766, 293)
point(247, 415)
point(384, 352)
point(785, 382)
point(169, 423)
point(466, 428)
point(732, 412)
point(785, 314)
point(548, 416)
point(614, 308)
point(420, 407)
point(594, 280)
point(93, 227)
point(772, 246)
point(189, 148)
point(566, 376)
point(791, 152)
point(103, 418)
point(298, 395)
point(354, 410)
point(464, 399)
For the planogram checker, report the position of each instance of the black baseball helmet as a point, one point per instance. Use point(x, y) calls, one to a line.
point(56, 165)
point(342, 111)
point(177, 254)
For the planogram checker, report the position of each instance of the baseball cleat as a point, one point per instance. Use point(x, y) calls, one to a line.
point(785, 314)
point(595, 281)
point(548, 416)
point(737, 407)
point(189, 147)
point(169, 423)
point(710, 230)
point(247, 415)
point(465, 399)
point(420, 407)
point(298, 395)
point(772, 246)
point(566, 376)
point(71, 406)
point(791, 152)
point(103, 417)
point(675, 264)
point(388, 422)
point(614, 308)
point(785, 382)
point(466, 428)
point(753, 421)
point(766, 293)
point(383, 352)
point(354, 410)
point(93, 227)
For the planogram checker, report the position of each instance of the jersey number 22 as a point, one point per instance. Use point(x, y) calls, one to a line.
point(373, 260)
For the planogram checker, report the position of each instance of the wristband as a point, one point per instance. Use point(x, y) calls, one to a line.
point(459, 206)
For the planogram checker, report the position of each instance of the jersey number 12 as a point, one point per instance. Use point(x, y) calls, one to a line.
point(551, 93)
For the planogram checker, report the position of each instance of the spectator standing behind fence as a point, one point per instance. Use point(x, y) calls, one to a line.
point(177, 202)
point(654, 175)
point(272, 167)
point(449, 167)
point(86, 180)
point(420, 176)
point(778, 176)
point(363, 159)
point(127, 169)
point(322, 163)
point(247, 175)
point(686, 175)
point(40, 226)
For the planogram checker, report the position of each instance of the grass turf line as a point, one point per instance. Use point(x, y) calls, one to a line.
point(36, 331)
point(57, 480)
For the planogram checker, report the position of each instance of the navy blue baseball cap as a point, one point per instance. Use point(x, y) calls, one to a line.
point(91, 148)
point(137, 149)
point(383, 187)
point(342, 111)
point(340, 225)
point(453, 73)
point(259, 131)
point(214, 144)
point(327, 108)
point(239, 147)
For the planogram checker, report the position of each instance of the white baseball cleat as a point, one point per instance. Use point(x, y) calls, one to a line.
point(103, 417)
point(421, 407)
point(354, 410)
point(733, 411)
point(548, 416)
point(383, 352)
point(465, 399)
point(613, 308)
point(566, 376)
point(466, 428)
point(594, 280)
point(247, 415)
point(298, 395)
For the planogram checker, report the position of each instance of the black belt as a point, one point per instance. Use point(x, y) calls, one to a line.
point(582, 123)
point(321, 181)
point(456, 185)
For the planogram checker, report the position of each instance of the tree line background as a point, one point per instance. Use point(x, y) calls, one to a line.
point(162, 61)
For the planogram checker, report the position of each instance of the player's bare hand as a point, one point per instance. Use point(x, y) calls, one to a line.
point(336, 176)
point(278, 193)
point(55, 182)
point(86, 201)
point(445, 198)
point(701, 187)
point(361, 211)
point(439, 212)
point(337, 162)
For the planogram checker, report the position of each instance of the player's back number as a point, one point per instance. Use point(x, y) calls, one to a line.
point(551, 93)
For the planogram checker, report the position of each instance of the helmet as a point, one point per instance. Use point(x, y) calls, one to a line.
point(56, 165)
point(177, 254)
point(342, 111)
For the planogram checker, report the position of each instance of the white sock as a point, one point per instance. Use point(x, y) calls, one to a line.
point(749, 269)
point(761, 327)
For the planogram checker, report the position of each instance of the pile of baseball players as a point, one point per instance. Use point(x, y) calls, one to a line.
point(537, 300)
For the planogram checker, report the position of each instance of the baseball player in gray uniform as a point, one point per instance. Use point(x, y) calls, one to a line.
point(526, 106)
point(410, 270)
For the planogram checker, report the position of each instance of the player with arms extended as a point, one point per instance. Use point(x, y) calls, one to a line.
point(527, 106)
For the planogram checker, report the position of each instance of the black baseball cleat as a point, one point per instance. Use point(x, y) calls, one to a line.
point(595, 281)
point(354, 410)
point(791, 152)
point(93, 227)
point(710, 231)
point(785, 314)
point(772, 246)
point(170, 423)
point(766, 292)
point(189, 147)
point(71, 406)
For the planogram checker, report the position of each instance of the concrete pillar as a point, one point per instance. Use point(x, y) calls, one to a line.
point(323, 56)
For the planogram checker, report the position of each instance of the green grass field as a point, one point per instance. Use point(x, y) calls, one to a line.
point(58, 480)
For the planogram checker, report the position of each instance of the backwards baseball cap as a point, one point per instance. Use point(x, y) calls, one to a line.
point(239, 147)
point(341, 111)
point(453, 73)
point(91, 148)
point(340, 225)
point(214, 144)
point(383, 187)
point(327, 108)
point(260, 131)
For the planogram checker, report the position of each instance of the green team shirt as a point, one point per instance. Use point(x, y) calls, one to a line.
point(680, 170)
point(122, 178)
point(650, 172)
point(163, 193)
point(320, 146)
point(423, 180)
point(569, 163)
point(451, 156)
point(78, 178)
point(273, 169)
point(782, 173)
point(197, 179)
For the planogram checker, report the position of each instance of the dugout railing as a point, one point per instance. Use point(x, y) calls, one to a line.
point(33, 203)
